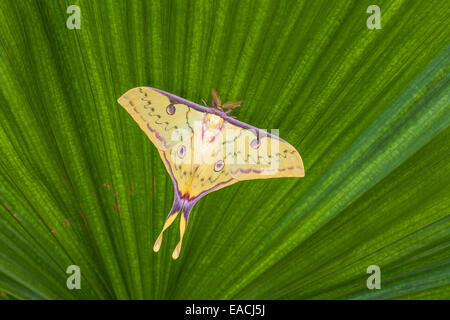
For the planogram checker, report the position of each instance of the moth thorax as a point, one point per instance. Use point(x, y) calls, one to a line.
point(213, 122)
point(212, 127)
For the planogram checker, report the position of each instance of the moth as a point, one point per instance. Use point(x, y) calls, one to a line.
point(204, 149)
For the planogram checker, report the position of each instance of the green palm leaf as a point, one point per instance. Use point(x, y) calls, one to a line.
point(368, 110)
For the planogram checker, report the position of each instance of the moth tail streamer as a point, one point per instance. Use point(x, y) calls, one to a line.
point(183, 224)
point(176, 208)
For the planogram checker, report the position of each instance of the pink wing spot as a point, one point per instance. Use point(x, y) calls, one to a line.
point(219, 165)
point(181, 151)
point(255, 143)
point(170, 109)
point(131, 104)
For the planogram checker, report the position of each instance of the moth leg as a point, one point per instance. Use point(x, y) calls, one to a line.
point(176, 208)
point(183, 224)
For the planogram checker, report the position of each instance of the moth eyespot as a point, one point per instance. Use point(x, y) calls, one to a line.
point(170, 109)
point(219, 165)
point(181, 151)
point(255, 143)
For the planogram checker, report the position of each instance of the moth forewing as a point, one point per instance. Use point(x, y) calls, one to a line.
point(230, 134)
point(268, 150)
point(247, 155)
